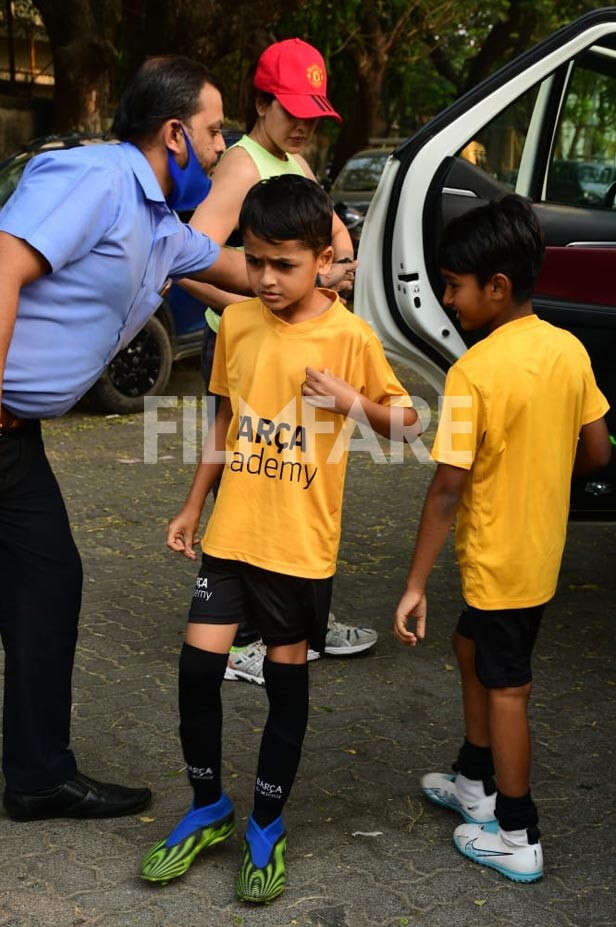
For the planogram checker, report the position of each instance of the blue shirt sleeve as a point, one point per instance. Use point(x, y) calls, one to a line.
point(195, 252)
point(62, 206)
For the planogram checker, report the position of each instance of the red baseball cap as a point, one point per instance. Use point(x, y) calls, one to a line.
point(295, 73)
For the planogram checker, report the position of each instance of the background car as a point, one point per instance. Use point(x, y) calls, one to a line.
point(354, 187)
point(510, 133)
point(174, 331)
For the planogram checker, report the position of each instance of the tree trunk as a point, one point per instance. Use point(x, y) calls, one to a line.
point(82, 38)
point(362, 124)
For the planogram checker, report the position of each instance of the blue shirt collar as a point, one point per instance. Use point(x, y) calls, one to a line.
point(143, 172)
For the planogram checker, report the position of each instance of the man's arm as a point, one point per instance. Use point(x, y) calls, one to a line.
point(19, 264)
point(228, 272)
point(438, 513)
point(594, 449)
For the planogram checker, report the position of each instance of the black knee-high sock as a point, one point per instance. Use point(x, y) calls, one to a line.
point(200, 678)
point(476, 763)
point(281, 745)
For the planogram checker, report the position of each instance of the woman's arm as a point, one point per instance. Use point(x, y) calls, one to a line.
point(218, 214)
point(209, 294)
point(217, 217)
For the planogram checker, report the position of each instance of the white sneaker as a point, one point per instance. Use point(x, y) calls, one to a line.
point(342, 640)
point(466, 796)
point(247, 663)
point(507, 851)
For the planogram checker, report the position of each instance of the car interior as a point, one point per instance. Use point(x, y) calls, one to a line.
point(556, 145)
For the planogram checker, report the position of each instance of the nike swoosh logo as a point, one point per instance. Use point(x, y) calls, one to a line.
point(471, 848)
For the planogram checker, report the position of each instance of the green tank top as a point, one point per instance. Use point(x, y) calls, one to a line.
point(267, 165)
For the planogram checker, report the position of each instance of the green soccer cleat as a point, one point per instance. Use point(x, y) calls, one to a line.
point(263, 873)
point(199, 829)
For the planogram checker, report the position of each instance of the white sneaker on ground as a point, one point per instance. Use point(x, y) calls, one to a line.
point(247, 663)
point(466, 796)
point(343, 640)
point(507, 851)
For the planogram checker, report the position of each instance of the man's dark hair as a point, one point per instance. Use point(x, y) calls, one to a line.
point(288, 207)
point(501, 237)
point(166, 87)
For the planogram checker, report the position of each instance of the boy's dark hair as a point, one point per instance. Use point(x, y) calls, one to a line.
point(165, 87)
point(288, 207)
point(501, 237)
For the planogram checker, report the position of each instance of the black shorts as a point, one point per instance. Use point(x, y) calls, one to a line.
point(284, 609)
point(504, 641)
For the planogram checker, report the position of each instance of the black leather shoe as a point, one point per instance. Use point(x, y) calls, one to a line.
point(79, 797)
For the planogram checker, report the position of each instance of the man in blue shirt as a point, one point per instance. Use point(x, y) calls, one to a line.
point(86, 243)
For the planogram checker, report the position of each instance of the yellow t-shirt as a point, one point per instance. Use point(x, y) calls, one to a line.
point(512, 412)
point(280, 500)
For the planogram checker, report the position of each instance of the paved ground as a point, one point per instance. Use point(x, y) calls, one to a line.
point(377, 723)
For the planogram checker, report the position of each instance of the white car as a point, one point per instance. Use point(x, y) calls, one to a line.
point(510, 133)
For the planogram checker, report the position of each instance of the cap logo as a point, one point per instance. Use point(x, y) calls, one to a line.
point(315, 75)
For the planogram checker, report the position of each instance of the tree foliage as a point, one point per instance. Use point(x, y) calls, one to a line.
point(392, 63)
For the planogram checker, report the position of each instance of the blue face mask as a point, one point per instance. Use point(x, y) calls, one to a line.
point(191, 184)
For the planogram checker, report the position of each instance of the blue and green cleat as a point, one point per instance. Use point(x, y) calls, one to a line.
point(199, 829)
point(263, 874)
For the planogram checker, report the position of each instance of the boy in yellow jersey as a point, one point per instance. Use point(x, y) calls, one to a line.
point(290, 366)
point(515, 406)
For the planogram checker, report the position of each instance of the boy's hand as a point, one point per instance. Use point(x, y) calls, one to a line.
point(182, 533)
point(320, 384)
point(413, 604)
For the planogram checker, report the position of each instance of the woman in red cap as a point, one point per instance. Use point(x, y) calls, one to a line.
point(289, 97)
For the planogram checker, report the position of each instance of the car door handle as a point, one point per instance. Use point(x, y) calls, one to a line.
point(456, 191)
point(591, 244)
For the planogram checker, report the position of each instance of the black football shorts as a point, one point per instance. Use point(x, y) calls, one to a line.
point(284, 609)
point(504, 641)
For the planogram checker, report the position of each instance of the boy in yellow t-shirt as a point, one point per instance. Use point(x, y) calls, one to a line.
point(515, 405)
point(290, 366)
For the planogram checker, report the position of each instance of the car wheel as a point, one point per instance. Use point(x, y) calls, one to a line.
point(141, 369)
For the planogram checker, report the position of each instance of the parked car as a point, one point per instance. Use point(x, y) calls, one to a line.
point(354, 187)
point(174, 331)
point(508, 133)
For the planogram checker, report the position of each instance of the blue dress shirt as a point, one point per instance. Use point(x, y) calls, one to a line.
point(98, 216)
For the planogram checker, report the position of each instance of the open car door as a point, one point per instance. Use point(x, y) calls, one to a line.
point(544, 126)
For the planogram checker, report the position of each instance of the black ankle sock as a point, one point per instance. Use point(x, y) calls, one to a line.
point(283, 735)
point(518, 814)
point(476, 763)
point(200, 678)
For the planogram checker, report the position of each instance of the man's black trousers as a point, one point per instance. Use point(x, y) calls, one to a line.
point(40, 597)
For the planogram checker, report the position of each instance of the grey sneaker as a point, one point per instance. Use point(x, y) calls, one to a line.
point(342, 640)
point(247, 663)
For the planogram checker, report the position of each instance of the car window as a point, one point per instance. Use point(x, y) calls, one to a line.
point(361, 173)
point(497, 147)
point(583, 163)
